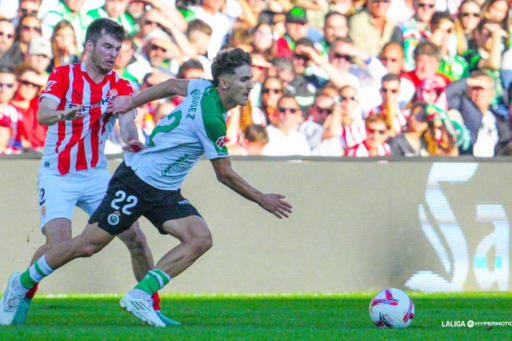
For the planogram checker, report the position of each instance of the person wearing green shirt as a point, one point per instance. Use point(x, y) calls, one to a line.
point(117, 11)
point(68, 10)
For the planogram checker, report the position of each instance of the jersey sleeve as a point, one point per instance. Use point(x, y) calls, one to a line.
point(124, 88)
point(212, 133)
point(57, 85)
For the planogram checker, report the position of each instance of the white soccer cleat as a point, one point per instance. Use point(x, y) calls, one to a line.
point(10, 301)
point(141, 309)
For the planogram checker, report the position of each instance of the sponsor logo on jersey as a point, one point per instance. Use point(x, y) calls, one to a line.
point(104, 101)
point(221, 142)
point(183, 202)
point(173, 165)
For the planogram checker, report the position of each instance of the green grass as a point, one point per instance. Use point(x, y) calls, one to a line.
point(262, 317)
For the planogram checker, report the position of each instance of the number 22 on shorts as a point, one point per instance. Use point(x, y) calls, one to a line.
point(131, 201)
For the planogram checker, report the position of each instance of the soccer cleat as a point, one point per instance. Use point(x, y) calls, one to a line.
point(166, 320)
point(141, 309)
point(21, 313)
point(10, 301)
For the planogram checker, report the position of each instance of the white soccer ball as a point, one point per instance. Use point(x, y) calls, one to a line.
point(392, 308)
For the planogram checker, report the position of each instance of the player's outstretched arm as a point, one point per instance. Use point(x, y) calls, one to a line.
point(270, 202)
point(130, 134)
point(48, 114)
point(170, 87)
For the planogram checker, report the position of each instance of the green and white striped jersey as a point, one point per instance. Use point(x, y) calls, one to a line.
point(196, 127)
point(124, 20)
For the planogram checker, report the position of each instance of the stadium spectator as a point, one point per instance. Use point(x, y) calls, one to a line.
point(123, 62)
point(284, 137)
point(452, 65)
point(390, 108)
point(371, 29)
point(71, 11)
point(392, 57)
point(417, 29)
point(39, 58)
point(254, 140)
point(199, 34)
point(497, 11)
point(161, 53)
point(191, 69)
point(9, 114)
point(344, 7)
point(26, 7)
point(335, 26)
point(345, 128)
point(251, 12)
point(10, 51)
point(297, 27)
point(29, 27)
point(490, 130)
point(412, 142)
point(263, 41)
point(401, 10)
point(440, 141)
point(210, 11)
point(260, 70)
point(64, 45)
point(427, 57)
point(467, 20)
point(271, 90)
point(26, 101)
point(117, 11)
point(377, 132)
point(313, 127)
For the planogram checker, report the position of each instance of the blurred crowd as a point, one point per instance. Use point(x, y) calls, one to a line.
point(331, 77)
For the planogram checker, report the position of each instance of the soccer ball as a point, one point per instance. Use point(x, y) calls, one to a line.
point(392, 308)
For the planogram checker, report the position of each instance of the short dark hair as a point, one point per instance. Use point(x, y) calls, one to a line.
point(256, 133)
point(6, 68)
point(104, 26)
point(199, 26)
point(438, 16)
point(429, 49)
point(190, 64)
point(283, 63)
point(227, 61)
point(306, 42)
point(390, 77)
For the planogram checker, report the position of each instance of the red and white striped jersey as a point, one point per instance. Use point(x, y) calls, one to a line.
point(73, 146)
point(400, 121)
point(361, 150)
point(353, 134)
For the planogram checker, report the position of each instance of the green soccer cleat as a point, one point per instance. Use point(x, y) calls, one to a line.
point(166, 320)
point(21, 313)
point(10, 301)
point(141, 309)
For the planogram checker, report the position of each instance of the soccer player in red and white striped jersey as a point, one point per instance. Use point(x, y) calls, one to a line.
point(75, 107)
point(377, 130)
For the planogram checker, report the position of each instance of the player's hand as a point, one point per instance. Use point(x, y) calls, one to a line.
point(72, 114)
point(275, 204)
point(134, 146)
point(122, 104)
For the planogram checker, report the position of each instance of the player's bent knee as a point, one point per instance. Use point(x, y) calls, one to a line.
point(201, 244)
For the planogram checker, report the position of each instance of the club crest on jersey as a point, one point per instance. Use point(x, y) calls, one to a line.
point(49, 86)
point(221, 142)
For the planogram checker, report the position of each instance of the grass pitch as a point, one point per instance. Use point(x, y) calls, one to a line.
point(263, 317)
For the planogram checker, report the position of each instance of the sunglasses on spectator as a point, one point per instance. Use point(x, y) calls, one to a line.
point(301, 56)
point(154, 48)
point(28, 83)
point(387, 91)
point(468, 14)
point(31, 28)
point(8, 35)
point(423, 5)
point(24, 11)
point(290, 110)
point(274, 91)
point(384, 1)
point(342, 56)
point(420, 117)
point(377, 131)
point(343, 98)
point(323, 111)
point(149, 22)
point(8, 85)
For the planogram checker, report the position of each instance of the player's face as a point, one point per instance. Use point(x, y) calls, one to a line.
point(240, 85)
point(104, 53)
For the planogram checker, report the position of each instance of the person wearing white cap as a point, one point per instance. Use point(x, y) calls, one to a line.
point(39, 58)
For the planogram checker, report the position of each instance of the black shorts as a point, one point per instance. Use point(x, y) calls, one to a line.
point(128, 197)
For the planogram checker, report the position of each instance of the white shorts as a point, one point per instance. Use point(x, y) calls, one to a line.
point(59, 194)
